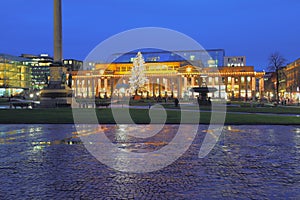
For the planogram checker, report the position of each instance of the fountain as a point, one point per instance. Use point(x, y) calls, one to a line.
point(203, 91)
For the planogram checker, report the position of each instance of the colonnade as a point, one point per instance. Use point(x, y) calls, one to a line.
point(176, 86)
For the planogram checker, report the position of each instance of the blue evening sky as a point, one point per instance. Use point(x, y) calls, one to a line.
point(254, 28)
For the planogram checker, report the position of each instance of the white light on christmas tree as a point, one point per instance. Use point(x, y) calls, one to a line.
point(138, 78)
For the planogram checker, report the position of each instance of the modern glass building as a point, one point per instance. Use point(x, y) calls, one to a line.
point(40, 71)
point(213, 57)
point(15, 75)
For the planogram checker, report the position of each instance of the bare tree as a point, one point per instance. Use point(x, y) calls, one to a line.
point(276, 62)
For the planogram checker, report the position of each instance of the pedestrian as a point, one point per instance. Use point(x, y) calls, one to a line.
point(176, 102)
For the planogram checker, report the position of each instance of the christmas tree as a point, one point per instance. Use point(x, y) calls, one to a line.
point(138, 78)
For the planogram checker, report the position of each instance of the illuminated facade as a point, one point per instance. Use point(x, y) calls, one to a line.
point(40, 70)
point(170, 79)
point(73, 64)
point(214, 57)
point(292, 73)
point(15, 75)
point(231, 61)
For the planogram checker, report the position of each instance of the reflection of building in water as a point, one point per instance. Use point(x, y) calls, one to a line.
point(15, 75)
point(170, 75)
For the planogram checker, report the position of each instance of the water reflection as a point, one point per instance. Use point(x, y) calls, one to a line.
point(42, 161)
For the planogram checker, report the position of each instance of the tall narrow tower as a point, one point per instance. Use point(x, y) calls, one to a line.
point(57, 70)
point(57, 93)
point(57, 32)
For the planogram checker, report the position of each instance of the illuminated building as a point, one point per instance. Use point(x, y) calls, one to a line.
point(292, 72)
point(242, 82)
point(40, 68)
point(73, 64)
point(234, 61)
point(40, 71)
point(15, 75)
point(194, 57)
point(170, 76)
point(270, 86)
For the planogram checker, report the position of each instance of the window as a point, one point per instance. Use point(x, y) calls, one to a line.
point(242, 79)
point(229, 79)
point(216, 80)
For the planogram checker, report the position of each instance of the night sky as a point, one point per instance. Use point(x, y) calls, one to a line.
point(254, 28)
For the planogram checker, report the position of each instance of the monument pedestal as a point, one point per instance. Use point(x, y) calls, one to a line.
point(53, 98)
point(57, 93)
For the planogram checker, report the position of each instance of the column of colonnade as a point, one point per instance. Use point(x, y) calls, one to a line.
point(261, 87)
point(156, 85)
point(253, 86)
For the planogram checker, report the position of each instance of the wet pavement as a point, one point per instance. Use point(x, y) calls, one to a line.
point(248, 162)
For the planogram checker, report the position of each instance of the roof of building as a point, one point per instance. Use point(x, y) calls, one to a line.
point(151, 55)
point(10, 58)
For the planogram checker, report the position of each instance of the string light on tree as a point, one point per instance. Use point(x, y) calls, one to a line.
point(138, 78)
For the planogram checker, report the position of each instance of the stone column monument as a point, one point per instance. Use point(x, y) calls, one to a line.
point(57, 31)
point(57, 93)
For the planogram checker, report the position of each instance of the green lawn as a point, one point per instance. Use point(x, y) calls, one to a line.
point(275, 110)
point(64, 115)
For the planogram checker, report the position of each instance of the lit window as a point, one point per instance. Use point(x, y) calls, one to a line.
point(229, 79)
point(216, 79)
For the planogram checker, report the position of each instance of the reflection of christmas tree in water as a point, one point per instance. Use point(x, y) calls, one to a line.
point(138, 78)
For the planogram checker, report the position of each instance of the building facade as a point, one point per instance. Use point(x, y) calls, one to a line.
point(214, 57)
point(292, 73)
point(40, 71)
point(234, 61)
point(169, 79)
point(288, 85)
point(15, 75)
point(73, 64)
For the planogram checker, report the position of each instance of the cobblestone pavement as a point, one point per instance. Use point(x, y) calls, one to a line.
point(248, 162)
